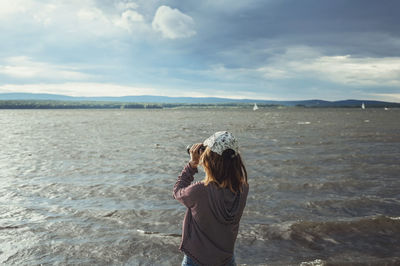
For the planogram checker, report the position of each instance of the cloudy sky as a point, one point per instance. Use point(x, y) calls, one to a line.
point(257, 49)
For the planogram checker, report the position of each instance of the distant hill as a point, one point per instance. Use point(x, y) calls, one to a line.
point(193, 100)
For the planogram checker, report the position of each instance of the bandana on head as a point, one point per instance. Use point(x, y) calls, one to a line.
point(221, 141)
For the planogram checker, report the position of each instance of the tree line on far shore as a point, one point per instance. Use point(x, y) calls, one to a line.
point(44, 104)
point(53, 104)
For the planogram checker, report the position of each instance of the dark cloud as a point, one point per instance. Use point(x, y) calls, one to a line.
point(357, 27)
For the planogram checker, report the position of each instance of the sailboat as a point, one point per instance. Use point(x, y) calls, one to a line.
point(255, 107)
point(363, 106)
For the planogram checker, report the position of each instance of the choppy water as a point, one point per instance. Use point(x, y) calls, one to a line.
point(94, 186)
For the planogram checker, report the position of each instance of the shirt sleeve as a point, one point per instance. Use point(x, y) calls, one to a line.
point(183, 191)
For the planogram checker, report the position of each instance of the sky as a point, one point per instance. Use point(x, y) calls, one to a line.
point(253, 49)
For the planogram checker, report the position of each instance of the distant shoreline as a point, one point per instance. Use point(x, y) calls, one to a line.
point(57, 101)
point(49, 104)
point(53, 104)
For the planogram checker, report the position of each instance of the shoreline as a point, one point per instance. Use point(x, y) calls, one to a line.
point(53, 104)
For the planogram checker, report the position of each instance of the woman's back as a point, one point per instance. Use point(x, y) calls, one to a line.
point(215, 205)
point(211, 221)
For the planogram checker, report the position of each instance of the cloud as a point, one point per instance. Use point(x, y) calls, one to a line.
point(172, 23)
point(98, 22)
point(128, 19)
point(356, 71)
point(126, 5)
point(391, 97)
point(328, 50)
point(85, 89)
point(231, 6)
point(9, 8)
point(23, 67)
point(91, 14)
point(93, 89)
point(304, 62)
point(77, 18)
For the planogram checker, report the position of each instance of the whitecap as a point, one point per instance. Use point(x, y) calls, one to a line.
point(316, 262)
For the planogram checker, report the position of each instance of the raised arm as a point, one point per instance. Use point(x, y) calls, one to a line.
point(183, 192)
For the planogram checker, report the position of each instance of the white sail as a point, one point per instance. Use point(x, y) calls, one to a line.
point(362, 106)
point(255, 107)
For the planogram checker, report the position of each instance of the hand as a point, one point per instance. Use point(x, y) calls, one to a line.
point(195, 155)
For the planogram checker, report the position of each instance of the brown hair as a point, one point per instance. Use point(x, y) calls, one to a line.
point(226, 170)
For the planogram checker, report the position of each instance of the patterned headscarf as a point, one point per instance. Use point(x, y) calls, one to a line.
point(221, 141)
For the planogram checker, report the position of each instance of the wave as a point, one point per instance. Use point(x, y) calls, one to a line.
point(340, 186)
point(354, 262)
point(311, 231)
point(9, 227)
point(367, 241)
point(355, 207)
point(344, 231)
point(143, 232)
point(377, 234)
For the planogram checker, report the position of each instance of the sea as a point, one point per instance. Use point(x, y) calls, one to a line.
point(94, 187)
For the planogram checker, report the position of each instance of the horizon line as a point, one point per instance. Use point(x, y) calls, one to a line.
point(197, 97)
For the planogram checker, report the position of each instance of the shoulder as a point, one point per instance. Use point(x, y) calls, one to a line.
point(197, 187)
point(197, 192)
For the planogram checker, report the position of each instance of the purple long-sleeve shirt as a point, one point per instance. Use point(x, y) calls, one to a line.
point(211, 222)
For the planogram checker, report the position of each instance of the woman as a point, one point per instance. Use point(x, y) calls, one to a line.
point(214, 205)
